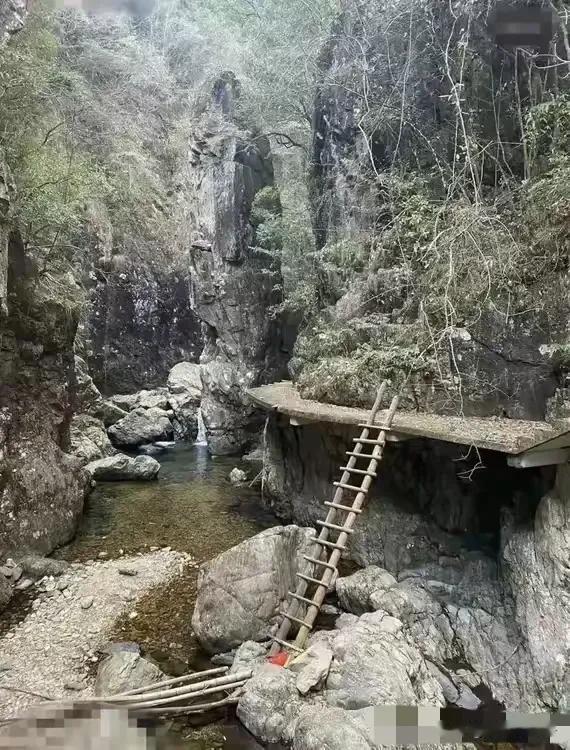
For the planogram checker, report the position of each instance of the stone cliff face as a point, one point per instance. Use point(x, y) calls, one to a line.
point(41, 487)
point(486, 551)
point(235, 284)
point(139, 324)
point(495, 355)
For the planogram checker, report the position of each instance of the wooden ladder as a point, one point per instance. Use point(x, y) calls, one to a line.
point(340, 518)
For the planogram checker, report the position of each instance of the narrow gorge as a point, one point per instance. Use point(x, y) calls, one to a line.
point(222, 228)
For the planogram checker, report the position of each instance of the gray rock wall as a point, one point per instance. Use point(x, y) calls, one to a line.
point(490, 358)
point(479, 556)
point(138, 325)
point(41, 488)
point(429, 501)
point(235, 284)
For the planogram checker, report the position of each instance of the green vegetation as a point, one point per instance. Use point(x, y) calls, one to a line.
point(436, 157)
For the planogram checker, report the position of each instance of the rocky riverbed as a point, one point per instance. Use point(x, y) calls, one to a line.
point(161, 531)
point(51, 652)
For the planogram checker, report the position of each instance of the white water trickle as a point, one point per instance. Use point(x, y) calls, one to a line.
point(201, 439)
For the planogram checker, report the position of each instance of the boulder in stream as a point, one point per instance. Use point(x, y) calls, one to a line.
point(241, 591)
point(154, 398)
point(141, 426)
point(237, 476)
point(121, 467)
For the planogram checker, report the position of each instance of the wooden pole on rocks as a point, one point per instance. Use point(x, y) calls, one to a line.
point(323, 584)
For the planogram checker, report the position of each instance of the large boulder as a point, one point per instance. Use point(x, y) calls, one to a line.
point(155, 398)
point(241, 591)
point(185, 379)
point(374, 664)
point(184, 394)
point(142, 426)
point(125, 401)
point(272, 708)
point(121, 467)
point(88, 439)
point(125, 669)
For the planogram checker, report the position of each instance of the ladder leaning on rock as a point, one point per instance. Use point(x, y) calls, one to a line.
point(342, 514)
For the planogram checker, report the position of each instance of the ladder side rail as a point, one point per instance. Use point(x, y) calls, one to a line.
point(334, 558)
point(302, 585)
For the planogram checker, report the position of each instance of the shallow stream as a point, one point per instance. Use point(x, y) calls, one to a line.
point(192, 508)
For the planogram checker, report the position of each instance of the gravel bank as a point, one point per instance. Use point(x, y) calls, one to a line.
point(52, 650)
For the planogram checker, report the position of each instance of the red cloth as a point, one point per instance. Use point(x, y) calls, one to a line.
point(280, 659)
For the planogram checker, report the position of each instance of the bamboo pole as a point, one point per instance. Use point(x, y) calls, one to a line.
point(192, 709)
point(178, 698)
point(313, 609)
point(172, 681)
point(302, 585)
point(181, 691)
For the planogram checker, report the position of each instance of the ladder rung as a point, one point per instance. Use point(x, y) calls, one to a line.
point(347, 508)
point(319, 562)
point(368, 441)
point(312, 580)
point(296, 619)
point(286, 645)
point(363, 455)
point(384, 427)
point(334, 526)
point(304, 599)
point(359, 471)
point(324, 543)
point(349, 487)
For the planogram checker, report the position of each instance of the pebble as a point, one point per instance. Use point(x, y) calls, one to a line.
point(124, 571)
point(133, 615)
point(103, 555)
point(86, 602)
point(76, 686)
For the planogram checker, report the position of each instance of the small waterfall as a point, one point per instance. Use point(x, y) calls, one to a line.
point(201, 439)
